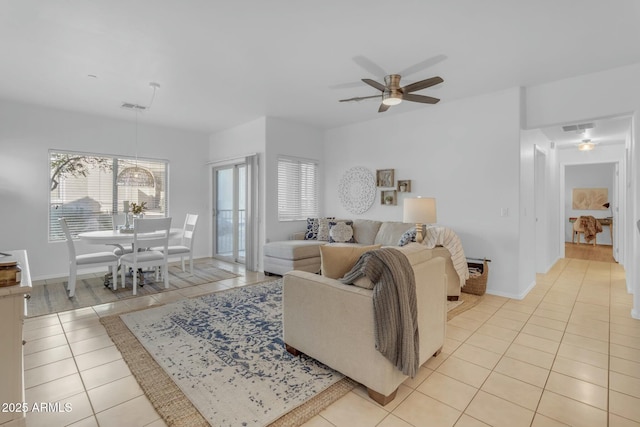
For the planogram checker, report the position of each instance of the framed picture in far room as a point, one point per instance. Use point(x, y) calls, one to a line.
point(384, 178)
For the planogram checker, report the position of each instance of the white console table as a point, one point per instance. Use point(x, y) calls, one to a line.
point(12, 312)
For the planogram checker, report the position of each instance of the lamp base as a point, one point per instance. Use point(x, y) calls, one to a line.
point(419, 236)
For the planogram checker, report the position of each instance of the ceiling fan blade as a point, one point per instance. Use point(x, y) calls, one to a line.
point(370, 66)
point(420, 98)
point(375, 84)
point(360, 98)
point(383, 108)
point(422, 84)
point(423, 65)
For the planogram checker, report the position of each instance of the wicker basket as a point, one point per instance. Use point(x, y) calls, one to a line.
point(477, 283)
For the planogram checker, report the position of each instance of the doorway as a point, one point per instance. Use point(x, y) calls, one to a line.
point(580, 179)
point(229, 211)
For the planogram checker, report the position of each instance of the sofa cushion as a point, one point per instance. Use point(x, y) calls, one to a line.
point(341, 232)
point(391, 232)
point(365, 230)
point(293, 249)
point(336, 261)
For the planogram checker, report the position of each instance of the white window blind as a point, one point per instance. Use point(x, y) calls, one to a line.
point(297, 189)
point(83, 190)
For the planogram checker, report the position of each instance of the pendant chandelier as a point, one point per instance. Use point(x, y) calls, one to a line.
point(137, 176)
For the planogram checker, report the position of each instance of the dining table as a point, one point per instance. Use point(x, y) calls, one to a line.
point(119, 239)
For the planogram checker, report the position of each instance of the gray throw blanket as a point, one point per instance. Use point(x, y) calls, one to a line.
point(394, 305)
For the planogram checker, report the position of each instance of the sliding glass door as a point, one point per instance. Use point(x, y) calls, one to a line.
point(230, 187)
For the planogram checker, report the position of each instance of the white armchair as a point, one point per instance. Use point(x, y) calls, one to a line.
point(334, 323)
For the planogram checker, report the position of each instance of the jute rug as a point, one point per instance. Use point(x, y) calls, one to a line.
point(464, 303)
point(53, 297)
point(223, 346)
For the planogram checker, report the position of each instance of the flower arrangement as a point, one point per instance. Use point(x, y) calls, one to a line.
point(138, 209)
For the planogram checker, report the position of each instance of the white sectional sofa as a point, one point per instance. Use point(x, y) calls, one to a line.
point(304, 255)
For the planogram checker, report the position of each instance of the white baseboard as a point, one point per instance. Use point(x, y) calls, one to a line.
point(520, 296)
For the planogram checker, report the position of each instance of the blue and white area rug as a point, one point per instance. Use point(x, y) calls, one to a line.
point(225, 352)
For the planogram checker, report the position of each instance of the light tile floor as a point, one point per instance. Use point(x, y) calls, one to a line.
point(567, 354)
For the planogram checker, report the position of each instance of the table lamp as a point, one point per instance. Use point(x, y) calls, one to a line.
point(419, 210)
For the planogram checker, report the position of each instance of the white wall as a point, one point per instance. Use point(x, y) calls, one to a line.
point(291, 139)
point(27, 133)
point(465, 153)
point(270, 137)
point(599, 175)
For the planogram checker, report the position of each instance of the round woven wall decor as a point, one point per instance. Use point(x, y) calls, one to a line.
point(357, 189)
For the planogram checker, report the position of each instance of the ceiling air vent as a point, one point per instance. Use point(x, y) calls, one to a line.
point(577, 128)
point(133, 107)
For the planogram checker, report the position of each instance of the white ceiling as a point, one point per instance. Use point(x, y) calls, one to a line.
point(223, 63)
point(604, 132)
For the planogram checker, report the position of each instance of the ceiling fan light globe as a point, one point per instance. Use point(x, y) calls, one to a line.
point(586, 146)
point(391, 97)
point(391, 101)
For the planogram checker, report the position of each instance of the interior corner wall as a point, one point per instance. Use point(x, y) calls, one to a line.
point(233, 143)
point(533, 245)
point(288, 138)
point(633, 277)
point(27, 132)
point(465, 153)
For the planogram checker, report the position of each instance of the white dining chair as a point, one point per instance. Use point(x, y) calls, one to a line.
point(86, 260)
point(186, 244)
point(118, 220)
point(147, 233)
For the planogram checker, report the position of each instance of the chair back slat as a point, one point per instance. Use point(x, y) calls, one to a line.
point(70, 246)
point(151, 232)
point(190, 223)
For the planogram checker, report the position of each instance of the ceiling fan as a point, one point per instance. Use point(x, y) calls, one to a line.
point(393, 94)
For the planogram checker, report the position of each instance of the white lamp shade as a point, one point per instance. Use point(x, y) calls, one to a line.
point(420, 210)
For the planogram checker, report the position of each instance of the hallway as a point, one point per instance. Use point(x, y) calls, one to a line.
point(589, 252)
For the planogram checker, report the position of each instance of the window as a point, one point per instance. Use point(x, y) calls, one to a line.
point(297, 189)
point(84, 190)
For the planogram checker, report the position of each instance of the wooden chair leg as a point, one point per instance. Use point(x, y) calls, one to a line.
point(381, 398)
point(292, 350)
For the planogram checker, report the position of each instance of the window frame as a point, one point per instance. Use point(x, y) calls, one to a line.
point(116, 160)
point(300, 214)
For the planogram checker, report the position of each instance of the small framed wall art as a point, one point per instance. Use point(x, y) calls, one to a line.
point(384, 178)
point(404, 186)
point(389, 197)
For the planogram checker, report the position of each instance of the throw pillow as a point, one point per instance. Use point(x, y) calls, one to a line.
point(336, 261)
point(408, 237)
point(317, 229)
point(312, 229)
point(341, 232)
point(323, 228)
